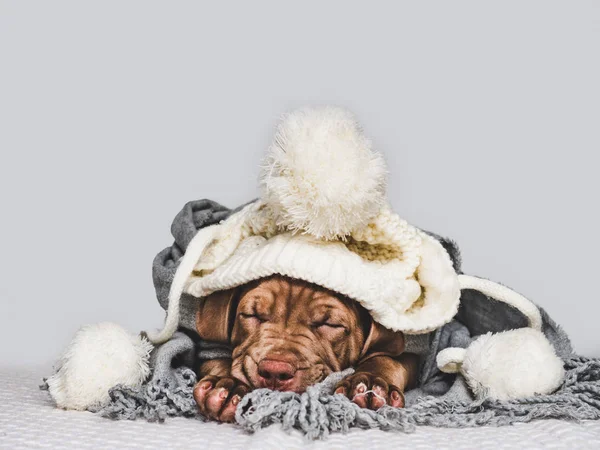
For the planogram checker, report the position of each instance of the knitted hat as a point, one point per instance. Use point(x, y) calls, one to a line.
point(323, 217)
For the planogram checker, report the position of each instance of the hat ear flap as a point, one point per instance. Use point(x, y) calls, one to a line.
point(382, 341)
point(216, 314)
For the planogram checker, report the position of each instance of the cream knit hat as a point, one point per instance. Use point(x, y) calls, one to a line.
point(323, 217)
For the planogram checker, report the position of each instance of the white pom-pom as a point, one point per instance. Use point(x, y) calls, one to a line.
point(513, 364)
point(321, 176)
point(99, 357)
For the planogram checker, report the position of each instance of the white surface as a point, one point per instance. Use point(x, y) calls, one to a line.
point(29, 420)
point(113, 114)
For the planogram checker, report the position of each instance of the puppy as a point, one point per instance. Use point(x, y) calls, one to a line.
point(286, 335)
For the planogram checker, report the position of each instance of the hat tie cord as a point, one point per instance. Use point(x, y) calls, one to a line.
point(188, 261)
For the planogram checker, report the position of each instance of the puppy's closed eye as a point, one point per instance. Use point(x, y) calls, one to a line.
point(328, 319)
point(329, 329)
point(328, 324)
point(253, 316)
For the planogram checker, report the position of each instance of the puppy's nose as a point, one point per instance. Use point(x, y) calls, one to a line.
point(276, 374)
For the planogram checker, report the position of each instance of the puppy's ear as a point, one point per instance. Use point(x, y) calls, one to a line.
point(382, 341)
point(216, 314)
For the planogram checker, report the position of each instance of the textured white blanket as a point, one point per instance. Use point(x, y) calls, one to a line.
point(28, 419)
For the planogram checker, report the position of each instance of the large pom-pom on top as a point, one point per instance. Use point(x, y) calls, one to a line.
point(321, 176)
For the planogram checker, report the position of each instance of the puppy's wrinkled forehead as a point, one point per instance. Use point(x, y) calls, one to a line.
point(280, 298)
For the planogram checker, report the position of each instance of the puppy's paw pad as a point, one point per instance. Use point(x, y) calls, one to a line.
point(370, 391)
point(218, 397)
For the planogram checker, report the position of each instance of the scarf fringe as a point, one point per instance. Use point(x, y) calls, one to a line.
point(317, 412)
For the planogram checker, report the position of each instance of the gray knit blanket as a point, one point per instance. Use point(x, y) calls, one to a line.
point(442, 400)
point(317, 412)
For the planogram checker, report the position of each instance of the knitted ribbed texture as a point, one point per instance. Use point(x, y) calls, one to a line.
point(415, 295)
point(316, 413)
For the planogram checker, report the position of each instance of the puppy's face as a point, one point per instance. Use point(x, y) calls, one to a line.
point(288, 334)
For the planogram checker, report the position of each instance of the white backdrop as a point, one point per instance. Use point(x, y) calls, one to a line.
point(114, 114)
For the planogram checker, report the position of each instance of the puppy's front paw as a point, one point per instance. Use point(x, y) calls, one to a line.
point(218, 397)
point(370, 391)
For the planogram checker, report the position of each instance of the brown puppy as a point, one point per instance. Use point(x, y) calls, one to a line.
point(286, 335)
